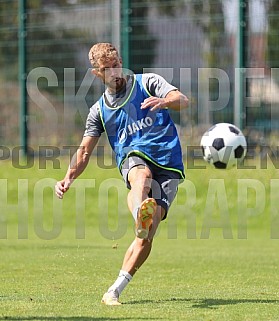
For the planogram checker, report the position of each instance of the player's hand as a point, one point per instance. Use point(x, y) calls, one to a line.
point(61, 187)
point(154, 103)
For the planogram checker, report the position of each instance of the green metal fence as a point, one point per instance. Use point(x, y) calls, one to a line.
point(199, 46)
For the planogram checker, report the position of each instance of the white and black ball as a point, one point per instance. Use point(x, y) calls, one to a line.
point(223, 145)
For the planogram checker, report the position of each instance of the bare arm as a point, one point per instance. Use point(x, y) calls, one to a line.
point(174, 100)
point(77, 165)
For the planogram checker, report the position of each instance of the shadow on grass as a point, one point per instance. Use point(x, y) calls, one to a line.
point(214, 303)
point(40, 318)
point(207, 303)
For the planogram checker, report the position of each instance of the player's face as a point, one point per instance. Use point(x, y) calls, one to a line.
point(110, 71)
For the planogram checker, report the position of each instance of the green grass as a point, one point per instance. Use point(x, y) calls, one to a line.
point(215, 258)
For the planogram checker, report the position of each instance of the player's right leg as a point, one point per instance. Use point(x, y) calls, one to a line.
point(141, 206)
point(144, 217)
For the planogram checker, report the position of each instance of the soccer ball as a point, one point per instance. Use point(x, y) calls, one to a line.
point(223, 145)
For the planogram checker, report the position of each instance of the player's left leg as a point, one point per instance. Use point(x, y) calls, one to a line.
point(135, 256)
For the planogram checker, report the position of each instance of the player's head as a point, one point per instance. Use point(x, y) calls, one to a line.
point(102, 52)
point(107, 65)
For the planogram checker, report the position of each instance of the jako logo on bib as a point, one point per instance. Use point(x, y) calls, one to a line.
point(133, 128)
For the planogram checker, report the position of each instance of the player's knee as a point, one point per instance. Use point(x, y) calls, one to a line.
point(143, 243)
point(142, 178)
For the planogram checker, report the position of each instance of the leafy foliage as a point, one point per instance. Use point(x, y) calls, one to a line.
point(273, 32)
point(209, 15)
point(42, 39)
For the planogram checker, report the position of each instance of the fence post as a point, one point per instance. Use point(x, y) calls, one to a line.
point(22, 76)
point(125, 31)
point(242, 25)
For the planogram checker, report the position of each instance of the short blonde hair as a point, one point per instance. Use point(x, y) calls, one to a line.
point(102, 51)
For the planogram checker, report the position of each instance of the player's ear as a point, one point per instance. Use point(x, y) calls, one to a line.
point(94, 72)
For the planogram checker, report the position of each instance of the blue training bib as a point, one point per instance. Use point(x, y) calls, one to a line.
point(149, 134)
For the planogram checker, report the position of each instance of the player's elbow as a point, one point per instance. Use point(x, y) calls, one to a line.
point(84, 153)
point(184, 101)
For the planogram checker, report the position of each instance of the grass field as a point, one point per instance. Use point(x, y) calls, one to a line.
point(214, 259)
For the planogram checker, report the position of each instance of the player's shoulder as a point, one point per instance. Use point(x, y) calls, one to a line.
point(95, 107)
point(94, 111)
point(150, 78)
point(150, 75)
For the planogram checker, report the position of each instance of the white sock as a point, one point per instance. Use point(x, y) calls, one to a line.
point(121, 282)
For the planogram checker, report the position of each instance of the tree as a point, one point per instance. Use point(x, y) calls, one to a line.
point(8, 36)
point(142, 43)
point(209, 16)
point(46, 46)
point(273, 33)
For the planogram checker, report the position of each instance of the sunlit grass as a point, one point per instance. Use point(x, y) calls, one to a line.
point(214, 258)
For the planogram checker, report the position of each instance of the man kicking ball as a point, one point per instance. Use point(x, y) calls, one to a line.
point(133, 111)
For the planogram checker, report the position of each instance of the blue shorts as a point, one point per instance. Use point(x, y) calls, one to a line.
point(164, 182)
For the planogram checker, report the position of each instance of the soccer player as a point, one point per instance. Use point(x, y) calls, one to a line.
point(133, 111)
